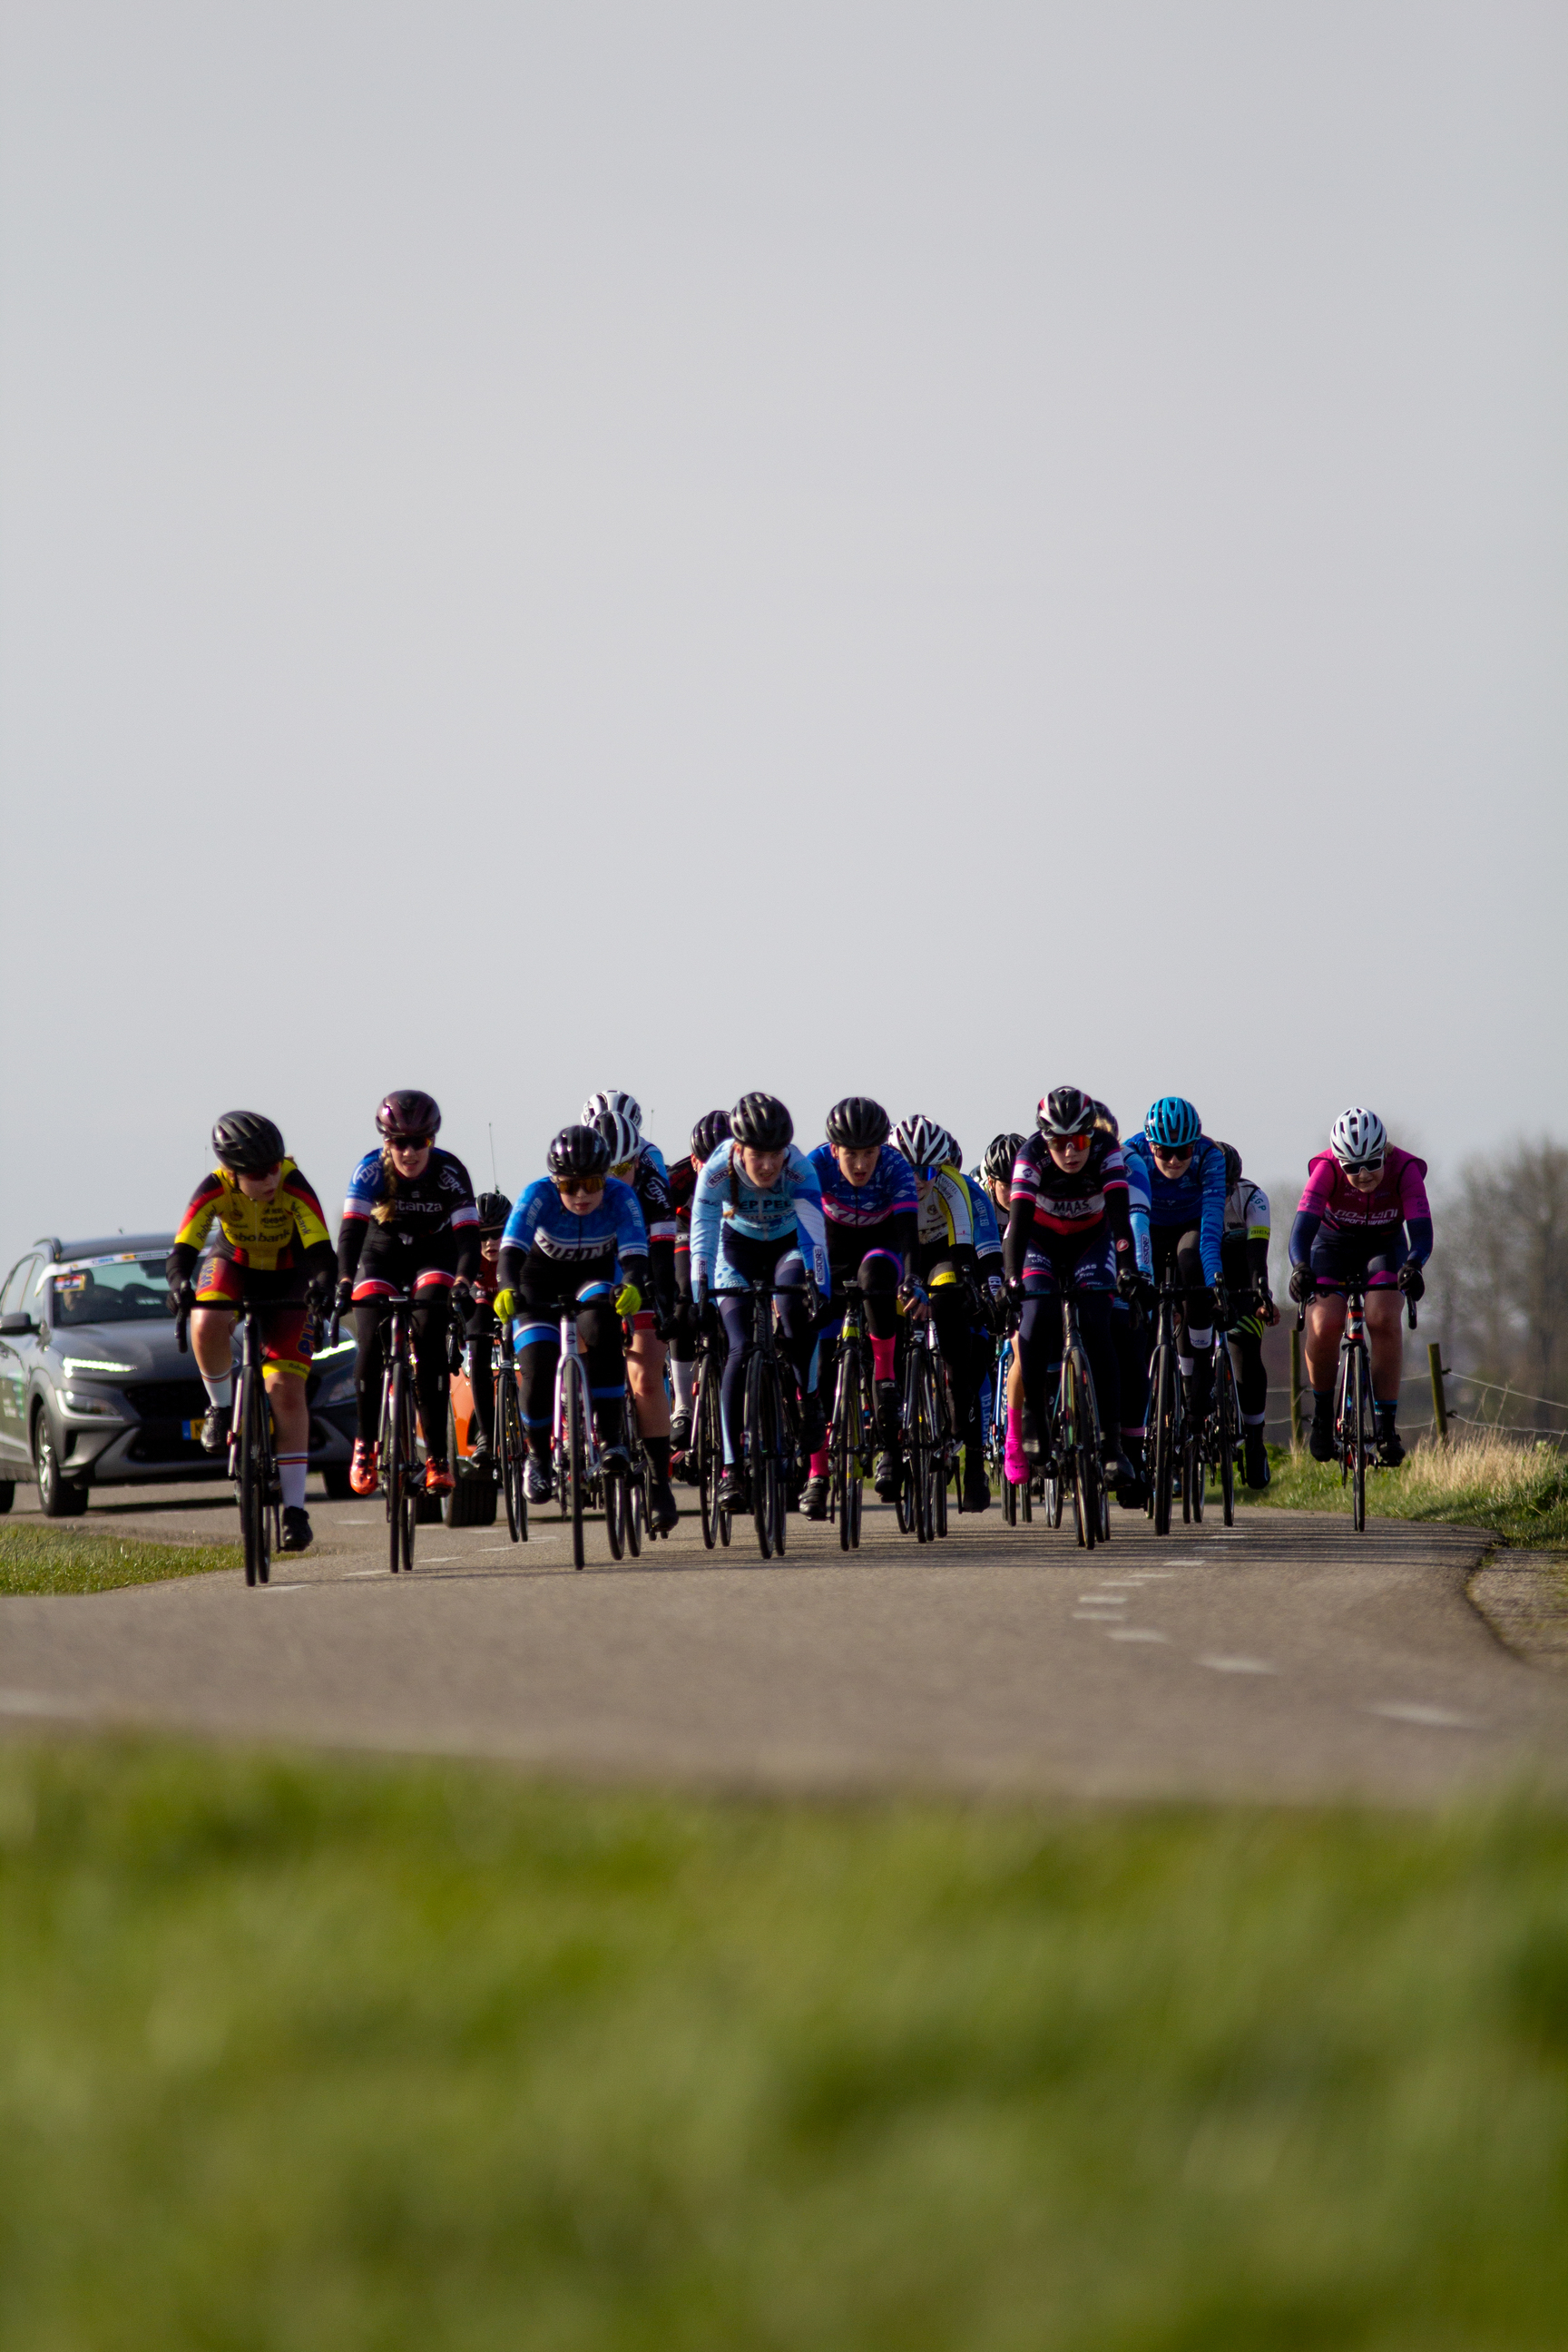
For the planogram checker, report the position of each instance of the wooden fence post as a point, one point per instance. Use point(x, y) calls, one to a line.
point(1439, 1402)
point(1296, 1388)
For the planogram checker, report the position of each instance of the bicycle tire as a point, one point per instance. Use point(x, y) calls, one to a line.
point(710, 1454)
point(923, 1449)
point(1358, 1478)
point(248, 1486)
point(842, 1441)
point(762, 1432)
point(575, 1448)
point(1093, 1439)
point(1228, 1416)
point(1195, 1471)
point(508, 1445)
point(1009, 1502)
point(1071, 1420)
point(395, 1469)
point(413, 1474)
point(633, 1517)
point(1163, 1401)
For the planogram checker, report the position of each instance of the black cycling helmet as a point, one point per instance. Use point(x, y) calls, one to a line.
point(494, 1210)
point(762, 1123)
point(579, 1152)
point(858, 1123)
point(997, 1166)
point(1065, 1111)
point(711, 1130)
point(249, 1144)
point(408, 1114)
point(1232, 1166)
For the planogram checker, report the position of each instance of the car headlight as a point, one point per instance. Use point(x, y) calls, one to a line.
point(96, 1408)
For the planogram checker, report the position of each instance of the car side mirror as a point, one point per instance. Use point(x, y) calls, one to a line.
point(13, 1326)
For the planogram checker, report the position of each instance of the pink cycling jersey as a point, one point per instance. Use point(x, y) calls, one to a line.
point(1400, 1194)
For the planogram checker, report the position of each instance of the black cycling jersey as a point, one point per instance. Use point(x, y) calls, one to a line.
point(426, 1220)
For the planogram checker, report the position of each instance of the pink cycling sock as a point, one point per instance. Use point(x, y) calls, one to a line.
point(819, 1463)
point(882, 1355)
point(1015, 1461)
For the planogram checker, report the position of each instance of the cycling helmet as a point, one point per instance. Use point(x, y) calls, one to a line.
point(1358, 1139)
point(494, 1210)
point(1000, 1153)
point(408, 1114)
point(1106, 1120)
point(1066, 1111)
point(711, 1130)
point(247, 1143)
point(619, 1134)
point(921, 1141)
point(613, 1098)
point(858, 1123)
point(579, 1152)
point(761, 1121)
point(1232, 1166)
point(951, 1149)
point(1173, 1123)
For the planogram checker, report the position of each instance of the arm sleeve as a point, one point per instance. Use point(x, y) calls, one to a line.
point(661, 1266)
point(987, 1237)
point(1414, 1205)
point(631, 1233)
point(1211, 1221)
point(196, 1223)
point(309, 1218)
point(1020, 1225)
point(812, 1224)
point(365, 1192)
point(706, 1216)
point(1303, 1234)
point(517, 1241)
point(1420, 1232)
point(904, 1228)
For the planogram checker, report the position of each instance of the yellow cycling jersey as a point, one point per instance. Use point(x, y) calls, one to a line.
point(260, 1233)
point(946, 1213)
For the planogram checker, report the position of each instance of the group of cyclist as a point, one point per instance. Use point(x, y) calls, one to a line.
point(659, 1261)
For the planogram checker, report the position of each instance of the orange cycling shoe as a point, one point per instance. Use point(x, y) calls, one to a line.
point(364, 1470)
point(437, 1475)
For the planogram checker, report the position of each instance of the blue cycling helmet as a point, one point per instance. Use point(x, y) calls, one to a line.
point(1173, 1123)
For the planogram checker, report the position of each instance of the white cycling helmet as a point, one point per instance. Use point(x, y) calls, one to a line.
point(921, 1140)
point(619, 1134)
point(613, 1098)
point(1358, 1139)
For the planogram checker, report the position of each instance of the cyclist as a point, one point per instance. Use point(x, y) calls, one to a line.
point(410, 1224)
point(1244, 1260)
point(479, 1329)
point(641, 1165)
point(995, 1176)
point(947, 1265)
point(270, 1246)
point(1183, 1169)
point(712, 1130)
point(1127, 1325)
point(1069, 1231)
point(986, 1326)
point(756, 1215)
point(869, 1203)
point(1364, 1211)
point(577, 1232)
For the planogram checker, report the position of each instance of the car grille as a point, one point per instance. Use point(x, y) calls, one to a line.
point(168, 1399)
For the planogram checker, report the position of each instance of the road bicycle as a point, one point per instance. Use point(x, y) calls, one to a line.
point(1072, 1461)
point(853, 1424)
point(769, 1435)
point(922, 1487)
point(1355, 1417)
point(509, 1453)
point(1167, 1442)
point(584, 1480)
point(402, 1471)
point(708, 1441)
point(252, 1453)
point(1219, 1439)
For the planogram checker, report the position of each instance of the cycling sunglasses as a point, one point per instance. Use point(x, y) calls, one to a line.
point(1172, 1150)
point(412, 1142)
point(571, 1187)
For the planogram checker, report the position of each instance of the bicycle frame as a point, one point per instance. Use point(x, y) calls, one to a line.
point(252, 1450)
point(853, 1416)
point(573, 1441)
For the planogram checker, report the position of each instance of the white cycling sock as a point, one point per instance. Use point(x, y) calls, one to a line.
point(685, 1379)
point(292, 1478)
point(219, 1391)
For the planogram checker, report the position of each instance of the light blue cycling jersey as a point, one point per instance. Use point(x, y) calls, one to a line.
point(542, 1221)
point(790, 1209)
point(1197, 1197)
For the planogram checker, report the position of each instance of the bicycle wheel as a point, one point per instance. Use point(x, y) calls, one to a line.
point(710, 1454)
point(855, 1475)
point(574, 1449)
point(1357, 1402)
point(762, 1444)
point(508, 1447)
point(249, 1484)
point(843, 1439)
point(1093, 1442)
point(1194, 1472)
point(413, 1473)
point(1227, 1420)
point(394, 1465)
point(924, 1464)
point(1162, 1402)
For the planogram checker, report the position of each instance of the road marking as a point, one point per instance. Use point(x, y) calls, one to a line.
point(36, 1703)
point(1135, 1633)
point(1238, 1665)
point(366, 1572)
point(1105, 1600)
point(270, 1587)
point(1436, 1719)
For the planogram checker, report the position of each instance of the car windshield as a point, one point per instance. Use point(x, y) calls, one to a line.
point(111, 1290)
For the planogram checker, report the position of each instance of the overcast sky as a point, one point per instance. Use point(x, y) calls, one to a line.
point(923, 550)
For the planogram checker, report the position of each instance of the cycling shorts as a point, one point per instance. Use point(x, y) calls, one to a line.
point(280, 1297)
point(1375, 1254)
point(1075, 1262)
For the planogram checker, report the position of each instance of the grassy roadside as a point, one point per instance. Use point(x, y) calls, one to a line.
point(54, 1558)
point(327, 2057)
point(1518, 1491)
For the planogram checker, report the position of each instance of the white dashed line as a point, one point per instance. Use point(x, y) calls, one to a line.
point(1435, 1719)
point(1135, 1633)
point(36, 1703)
point(1238, 1665)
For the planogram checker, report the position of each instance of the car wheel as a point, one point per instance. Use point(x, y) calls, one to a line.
point(59, 1498)
point(335, 1479)
point(7, 1494)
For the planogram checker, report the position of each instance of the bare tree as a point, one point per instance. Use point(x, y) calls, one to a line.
point(1502, 1240)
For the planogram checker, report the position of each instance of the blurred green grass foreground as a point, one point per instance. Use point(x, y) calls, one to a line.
point(345, 2055)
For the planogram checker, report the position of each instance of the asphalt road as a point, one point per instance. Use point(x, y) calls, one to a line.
point(1287, 1659)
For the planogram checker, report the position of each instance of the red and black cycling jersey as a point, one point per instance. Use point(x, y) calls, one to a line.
point(1049, 1208)
point(433, 1212)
